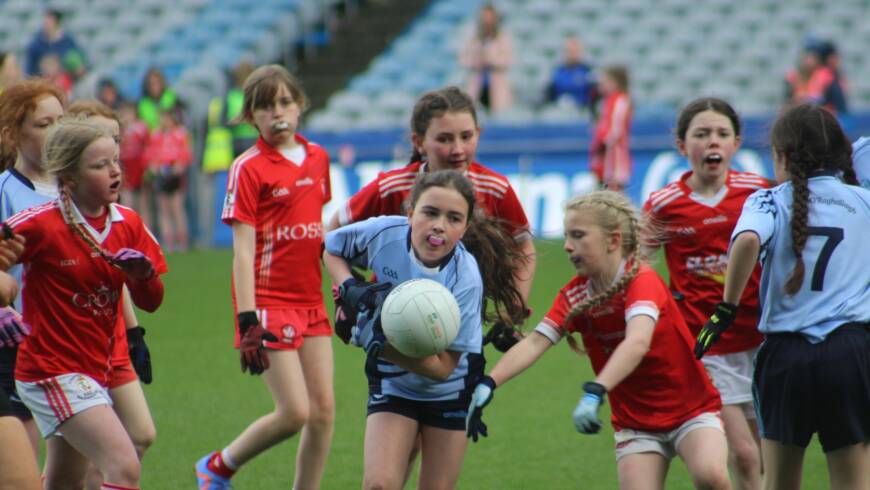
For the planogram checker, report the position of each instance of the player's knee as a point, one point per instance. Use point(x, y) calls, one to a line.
point(381, 482)
point(745, 458)
point(322, 414)
point(712, 477)
point(124, 472)
point(289, 422)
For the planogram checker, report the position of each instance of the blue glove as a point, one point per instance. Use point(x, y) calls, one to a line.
point(368, 334)
point(358, 296)
point(585, 416)
point(482, 395)
point(140, 356)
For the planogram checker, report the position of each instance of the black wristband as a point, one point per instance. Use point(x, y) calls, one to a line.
point(488, 381)
point(247, 319)
point(594, 388)
point(136, 334)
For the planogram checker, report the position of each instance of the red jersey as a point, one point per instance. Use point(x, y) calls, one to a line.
point(610, 157)
point(388, 192)
point(169, 147)
point(696, 249)
point(669, 386)
point(284, 202)
point(72, 295)
point(133, 145)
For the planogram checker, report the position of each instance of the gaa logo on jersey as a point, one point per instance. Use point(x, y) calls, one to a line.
point(668, 166)
point(288, 333)
point(85, 389)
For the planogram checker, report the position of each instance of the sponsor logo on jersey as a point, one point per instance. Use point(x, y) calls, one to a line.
point(710, 266)
point(280, 192)
point(299, 231)
point(716, 219)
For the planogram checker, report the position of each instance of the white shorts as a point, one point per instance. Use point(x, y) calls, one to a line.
point(732, 375)
point(54, 400)
point(630, 441)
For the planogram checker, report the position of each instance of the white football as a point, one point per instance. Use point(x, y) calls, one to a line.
point(420, 317)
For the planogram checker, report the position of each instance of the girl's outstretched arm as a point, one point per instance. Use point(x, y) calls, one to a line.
point(741, 262)
point(629, 352)
point(337, 267)
point(520, 357)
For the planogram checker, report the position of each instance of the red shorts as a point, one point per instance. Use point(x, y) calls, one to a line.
point(121, 375)
point(292, 325)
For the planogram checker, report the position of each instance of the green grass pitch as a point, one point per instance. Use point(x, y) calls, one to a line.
point(201, 401)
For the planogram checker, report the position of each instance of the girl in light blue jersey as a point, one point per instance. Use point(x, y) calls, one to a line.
point(429, 395)
point(812, 373)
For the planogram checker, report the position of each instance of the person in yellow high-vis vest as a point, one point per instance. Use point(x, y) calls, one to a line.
point(227, 135)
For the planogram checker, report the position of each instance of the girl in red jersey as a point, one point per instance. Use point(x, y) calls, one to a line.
point(609, 157)
point(663, 403)
point(134, 142)
point(168, 156)
point(275, 196)
point(130, 358)
point(81, 249)
point(445, 133)
point(697, 214)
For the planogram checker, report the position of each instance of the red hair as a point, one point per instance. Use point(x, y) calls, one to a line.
point(16, 102)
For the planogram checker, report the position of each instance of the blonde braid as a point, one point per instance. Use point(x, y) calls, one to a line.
point(79, 229)
point(631, 245)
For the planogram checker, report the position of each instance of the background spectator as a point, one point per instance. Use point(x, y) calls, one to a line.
point(107, 93)
point(488, 54)
point(573, 79)
point(228, 136)
point(610, 158)
point(816, 79)
point(52, 70)
point(10, 72)
point(156, 98)
point(137, 191)
point(53, 39)
point(169, 155)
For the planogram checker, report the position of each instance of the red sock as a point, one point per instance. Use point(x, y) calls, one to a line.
point(217, 466)
point(112, 486)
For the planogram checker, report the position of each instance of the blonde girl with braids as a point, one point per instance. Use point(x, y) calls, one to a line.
point(131, 359)
point(663, 404)
point(81, 249)
point(812, 373)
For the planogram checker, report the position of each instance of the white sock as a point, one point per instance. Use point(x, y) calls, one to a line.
point(228, 461)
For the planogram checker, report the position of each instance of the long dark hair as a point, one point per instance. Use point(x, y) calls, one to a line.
point(809, 139)
point(435, 104)
point(498, 255)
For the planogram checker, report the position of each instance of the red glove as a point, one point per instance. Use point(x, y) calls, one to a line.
point(253, 355)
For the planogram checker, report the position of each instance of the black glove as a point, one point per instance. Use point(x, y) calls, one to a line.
point(502, 336)
point(480, 397)
point(359, 295)
point(344, 323)
point(253, 356)
point(721, 319)
point(140, 356)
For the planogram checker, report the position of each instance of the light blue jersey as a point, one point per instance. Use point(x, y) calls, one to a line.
point(383, 244)
point(18, 193)
point(836, 286)
point(861, 160)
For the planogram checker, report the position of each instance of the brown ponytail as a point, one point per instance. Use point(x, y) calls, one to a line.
point(809, 139)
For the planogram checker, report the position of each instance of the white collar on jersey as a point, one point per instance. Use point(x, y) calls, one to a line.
point(113, 216)
point(619, 273)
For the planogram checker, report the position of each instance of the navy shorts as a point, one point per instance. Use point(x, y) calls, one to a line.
point(7, 384)
point(448, 414)
point(802, 388)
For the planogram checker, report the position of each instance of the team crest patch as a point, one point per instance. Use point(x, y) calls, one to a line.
point(288, 333)
point(86, 388)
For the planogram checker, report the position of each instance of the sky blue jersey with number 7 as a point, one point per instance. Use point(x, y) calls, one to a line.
point(836, 285)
